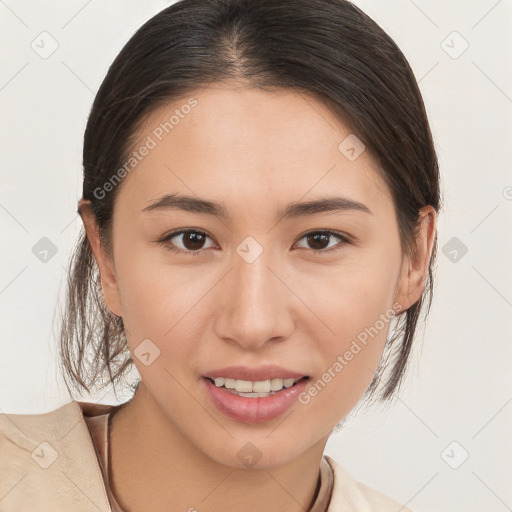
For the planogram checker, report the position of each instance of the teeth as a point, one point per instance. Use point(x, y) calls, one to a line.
point(288, 383)
point(261, 386)
point(229, 383)
point(254, 395)
point(276, 384)
point(243, 386)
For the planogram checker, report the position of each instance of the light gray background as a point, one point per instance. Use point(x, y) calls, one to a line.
point(459, 384)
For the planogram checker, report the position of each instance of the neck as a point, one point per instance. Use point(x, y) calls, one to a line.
point(151, 460)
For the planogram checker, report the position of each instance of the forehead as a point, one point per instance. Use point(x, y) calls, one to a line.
point(239, 143)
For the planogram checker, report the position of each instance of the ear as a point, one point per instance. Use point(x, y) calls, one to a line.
point(105, 262)
point(414, 271)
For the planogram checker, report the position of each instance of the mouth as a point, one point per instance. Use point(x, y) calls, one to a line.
point(254, 401)
point(254, 389)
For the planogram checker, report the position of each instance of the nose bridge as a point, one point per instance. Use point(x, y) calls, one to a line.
point(253, 281)
point(254, 304)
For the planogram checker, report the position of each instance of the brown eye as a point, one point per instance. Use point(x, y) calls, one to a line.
point(319, 241)
point(192, 240)
point(186, 241)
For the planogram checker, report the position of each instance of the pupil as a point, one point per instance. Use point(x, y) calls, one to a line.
point(313, 240)
point(193, 238)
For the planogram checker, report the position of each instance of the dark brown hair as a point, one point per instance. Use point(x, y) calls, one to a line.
point(328, 49)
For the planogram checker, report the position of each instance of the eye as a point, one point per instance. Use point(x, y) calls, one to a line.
point(320, 240)
point(192, 241)
point(189, 241)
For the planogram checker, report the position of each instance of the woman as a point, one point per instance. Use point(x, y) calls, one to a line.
point(259, 202)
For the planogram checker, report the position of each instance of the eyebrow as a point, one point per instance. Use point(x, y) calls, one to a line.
point(204, 207)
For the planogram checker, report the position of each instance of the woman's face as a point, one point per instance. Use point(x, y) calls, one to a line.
point(246, 173)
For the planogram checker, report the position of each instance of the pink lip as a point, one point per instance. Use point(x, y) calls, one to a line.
point(253, 410)
point(265, 372)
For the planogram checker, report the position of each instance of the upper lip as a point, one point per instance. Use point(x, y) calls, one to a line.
point(260, 373)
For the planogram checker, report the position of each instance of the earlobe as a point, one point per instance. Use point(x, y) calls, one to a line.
point(415, 268)
point(104, 261)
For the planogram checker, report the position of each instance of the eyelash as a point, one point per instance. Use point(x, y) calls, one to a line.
point(164, 242)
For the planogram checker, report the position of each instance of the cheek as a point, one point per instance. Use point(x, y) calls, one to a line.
point(157, 300)
point(163, 332)
point(352, 295)
point(355, 302)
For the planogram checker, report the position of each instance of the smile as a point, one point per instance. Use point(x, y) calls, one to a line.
point(257, 401)
point(253, 389)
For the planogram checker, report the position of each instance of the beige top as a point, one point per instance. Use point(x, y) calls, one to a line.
point(99, 426)
point(58, 461)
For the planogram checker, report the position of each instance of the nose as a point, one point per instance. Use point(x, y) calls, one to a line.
point(255, 306)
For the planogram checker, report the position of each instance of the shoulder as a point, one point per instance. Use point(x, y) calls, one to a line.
point(351, 495)
point(48, 460)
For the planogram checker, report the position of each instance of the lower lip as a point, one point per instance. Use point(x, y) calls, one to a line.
point(254, 410)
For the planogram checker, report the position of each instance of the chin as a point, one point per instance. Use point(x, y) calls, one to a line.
point(256, 451)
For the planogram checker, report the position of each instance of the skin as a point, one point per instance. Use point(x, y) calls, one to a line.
point(255, 152)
